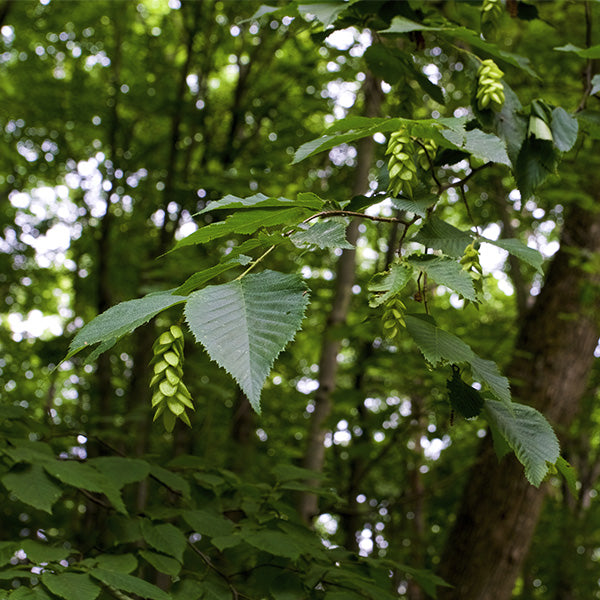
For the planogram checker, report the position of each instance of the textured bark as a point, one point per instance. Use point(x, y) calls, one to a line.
point(314, 456)
point(550, 368)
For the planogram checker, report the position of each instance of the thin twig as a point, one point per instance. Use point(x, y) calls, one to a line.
point(406, 227)
point(430, 161)
point(236, 595)
point(464, 180)
point(466, 203)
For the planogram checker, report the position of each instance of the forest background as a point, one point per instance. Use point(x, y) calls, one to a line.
point(359, 477)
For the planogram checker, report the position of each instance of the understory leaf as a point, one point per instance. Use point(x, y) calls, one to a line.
point(528, 434)
point(121, 470)
point(38, 552)
point(165, 538)
point(128, 583)
point(32, 486)
point(71, 586)
point(84, 476)
point(121, 319)
point(246, 323)
point(208, 523)
point(162, 563)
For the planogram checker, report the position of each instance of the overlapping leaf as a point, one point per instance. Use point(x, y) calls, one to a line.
point(446, 271)
point(528, 434)
point(438, 346)
point(246, 323)
point(122, 319)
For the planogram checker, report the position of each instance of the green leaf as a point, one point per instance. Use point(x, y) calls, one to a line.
point(440, 235)
point(122, 319)
point(425, 578)
point(417, 206)
point(71, 586)
point(276, 543)
point(473, 40)
point(229, 202)
point(325, 234)
point(446, 271)
point(569, 473)
point(486, 146)
point(38, 552)
point(84, 476)
point(162, 563)
point(124, 563)
point(7, 550)
point(32, 486)
point(564, 129)
point(592, 52)
point(438, 345)
point(486, 371)
point(120, 470)
point(209, 523)
point(537, 160)
point(245, 324)
point(595, 85)
point(245, 223)
point(26, 593)
point(386, 285)
point(464, 399)
point(164, 537)
point(128, 583)
point(528, 434)
point(172, 480)
point(517, 248)
point(197, 280)
point(403, 25)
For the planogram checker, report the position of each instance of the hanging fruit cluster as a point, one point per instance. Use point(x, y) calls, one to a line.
point(401, 166)
point(170, 397)
point(490, 91)
point(393, 317)
point(491, 11)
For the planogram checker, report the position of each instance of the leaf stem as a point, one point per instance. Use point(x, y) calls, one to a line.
point(254, 263)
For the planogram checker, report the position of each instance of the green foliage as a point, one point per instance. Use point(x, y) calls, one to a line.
point(527, 433)
point(245, 324)
point(132, 155)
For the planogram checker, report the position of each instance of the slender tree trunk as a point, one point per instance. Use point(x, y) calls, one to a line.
point(314, 456)
point(550, 368)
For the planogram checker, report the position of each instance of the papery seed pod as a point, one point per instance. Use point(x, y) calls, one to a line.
point(170, 397)
point(490, 90)
point(401, 166)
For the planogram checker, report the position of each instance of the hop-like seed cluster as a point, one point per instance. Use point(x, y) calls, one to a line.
point(490, 91)
point(491, 11)
point(170, 397)
point(393, 317)
point(470, 263)
point(401, 166)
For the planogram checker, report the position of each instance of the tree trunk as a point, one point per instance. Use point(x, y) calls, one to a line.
point(550, 368)
point(314, 456)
